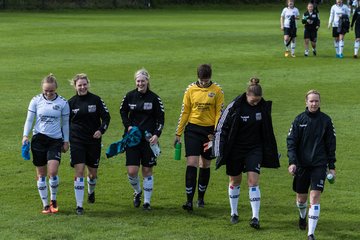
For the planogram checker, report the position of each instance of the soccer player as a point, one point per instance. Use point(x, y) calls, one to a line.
point(201, 108)
point(356, 20)
point(245, 142)
point(89, 119)
point(338, 12)
point(288, 18)
point(50, 138)
point(311, 144)
point(144, 109)
point(311, 21)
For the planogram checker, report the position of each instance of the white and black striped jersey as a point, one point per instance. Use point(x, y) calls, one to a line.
point(52, 117)
point(336, 12)
point(287, 13)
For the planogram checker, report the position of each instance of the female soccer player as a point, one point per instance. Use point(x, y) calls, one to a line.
point(288, 18)
point(338, 12)
point(311, 144)
point(89, 119)
point(50, 138)
point(311, 23)
point(356, 20)
point(202, 104)
point(245, 142)
point(144, 109)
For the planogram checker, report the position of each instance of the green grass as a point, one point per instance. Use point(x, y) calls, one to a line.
point(109, 46)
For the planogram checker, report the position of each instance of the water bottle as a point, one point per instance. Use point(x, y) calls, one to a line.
point(330, 178)
point(154, 147)
point(177, 155)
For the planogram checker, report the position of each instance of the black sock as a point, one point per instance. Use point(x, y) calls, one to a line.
point(204, 177)
point(190, 182)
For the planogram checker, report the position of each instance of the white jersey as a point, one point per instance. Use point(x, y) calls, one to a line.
point(336, 12)
point(287, 13)
point(52, 117)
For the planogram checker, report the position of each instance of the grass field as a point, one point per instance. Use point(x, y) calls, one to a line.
point(109, 46)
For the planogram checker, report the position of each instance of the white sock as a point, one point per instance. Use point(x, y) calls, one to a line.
point(135, 183)
point(341, 46)
point(314, 213)
point(234, 194)
point(293, 45)
point(43, 192)
point(286, 47)
point(54, 185)
point(307, 51)
point(356, 47)
point(254, 195)
point(79, 186)
point(336, 45)
point(91, 185)
point(302, 209)
point(148, 184)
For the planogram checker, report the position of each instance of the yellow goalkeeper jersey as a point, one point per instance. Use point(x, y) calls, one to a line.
point(201, 106)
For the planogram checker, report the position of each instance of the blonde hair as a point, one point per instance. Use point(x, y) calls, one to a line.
point(79, 76)
point(254, 87)
point(312, 91)
point(143, 73)
point(49, 79)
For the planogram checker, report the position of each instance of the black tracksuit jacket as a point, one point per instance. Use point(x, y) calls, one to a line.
point(311, 141)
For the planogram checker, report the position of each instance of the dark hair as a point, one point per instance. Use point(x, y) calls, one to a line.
point(254, 87)
point(49, 79)
point(204, 71)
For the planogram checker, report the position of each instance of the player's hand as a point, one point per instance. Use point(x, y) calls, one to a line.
point(25, 140)
point(177, 140)
point(333, 172)
point(154, 139)
point(207, 146)
point(292, 169)
point(129, 128)
point(65, 147)
point(97, 134)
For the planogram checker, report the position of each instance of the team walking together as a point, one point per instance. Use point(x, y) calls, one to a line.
point(339, 22)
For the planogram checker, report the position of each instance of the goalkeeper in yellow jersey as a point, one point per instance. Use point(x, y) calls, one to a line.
point(202, 105)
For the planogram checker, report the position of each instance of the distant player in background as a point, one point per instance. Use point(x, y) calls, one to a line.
point(353, 4)
point(356, 20)
point(339, 13)
point(311, 21)
point(311, 144)
point(50, 138)
point(201, 108)
point(288, 18)
point(144, 109)
point(89, 119)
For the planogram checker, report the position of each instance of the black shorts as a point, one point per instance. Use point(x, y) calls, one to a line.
point(310, 34)
point(194, 137)
point(45, 148)
point(88, 154)
point(287, 31)
point(335, 32)
point(357, 32)
point(249, 161)
point(141, 153)
point(309, 177)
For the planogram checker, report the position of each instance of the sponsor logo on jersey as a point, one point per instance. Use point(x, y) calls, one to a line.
point(211, 94)
point(132, 106)
point(75, 110)
point(302, 125)
point(245, 118)
point(91, 108)
point(56, 107)
point(148, 106)
point(258, 116)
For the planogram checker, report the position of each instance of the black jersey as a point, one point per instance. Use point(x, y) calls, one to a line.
point(144, 110)
point(88, 114)
point(356, 18)
point(249, 133)
point(311, 21)
point(311, 140)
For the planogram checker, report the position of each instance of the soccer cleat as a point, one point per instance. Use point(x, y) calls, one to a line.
point(137, 199)
point(200, 203)
point(293, 55)
point(314, 52)
point(91, 198)
point(79, 210)
point(337, 56)
point(46, 210)
point(53, 206)
point(146, 206)
point(234, 219)
point(286, 53)
point(306, 55)
point(341, 55)
point(311, 237)
point(355, 56)
point(302, 223)
point(188, 206)
point(254, 223)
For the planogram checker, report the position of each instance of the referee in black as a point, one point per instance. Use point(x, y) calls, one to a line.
point(89, 119)
point(356, 20)
point(311, 144)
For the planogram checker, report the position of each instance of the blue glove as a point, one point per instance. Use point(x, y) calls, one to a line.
point(25, 151)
